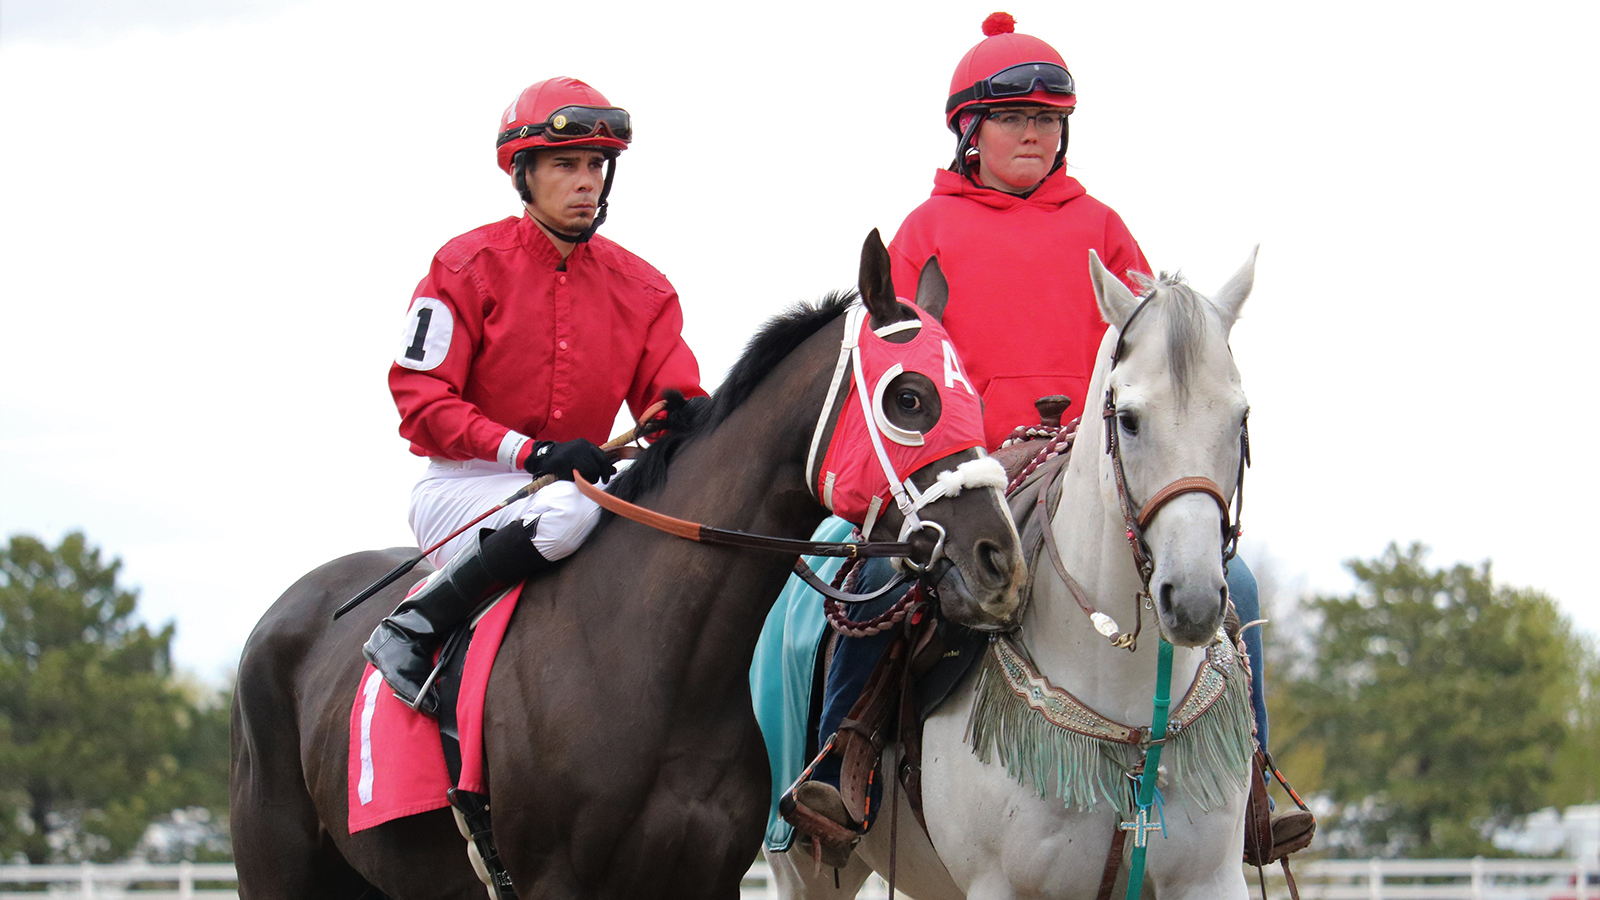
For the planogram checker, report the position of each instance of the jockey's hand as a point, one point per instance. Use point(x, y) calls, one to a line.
point(693, 410)
point(559, 459)
point(680, 415)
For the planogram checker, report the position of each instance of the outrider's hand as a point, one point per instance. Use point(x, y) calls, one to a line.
point(559, 459)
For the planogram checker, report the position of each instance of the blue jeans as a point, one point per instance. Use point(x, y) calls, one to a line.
point(1242, 587)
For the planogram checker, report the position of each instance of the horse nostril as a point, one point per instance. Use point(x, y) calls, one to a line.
point(992, 568)
point(1222, 607)
point(1166, 599)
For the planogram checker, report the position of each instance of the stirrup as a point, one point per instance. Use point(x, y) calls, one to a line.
point(427, 699)
point(1292, 832)
point(817, 812)
point(814, 808)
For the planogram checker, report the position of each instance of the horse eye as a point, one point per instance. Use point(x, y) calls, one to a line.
point(908, 401)
point(1129, 422)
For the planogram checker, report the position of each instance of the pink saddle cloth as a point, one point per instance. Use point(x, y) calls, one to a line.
point(396, 762)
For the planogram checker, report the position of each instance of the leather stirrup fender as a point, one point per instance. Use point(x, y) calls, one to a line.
point(1258, 817)
point(862, 733)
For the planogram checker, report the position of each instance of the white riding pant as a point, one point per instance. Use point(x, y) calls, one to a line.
point(451, 493)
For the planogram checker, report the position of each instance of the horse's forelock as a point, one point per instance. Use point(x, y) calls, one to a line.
point(1186, 314)
point(775, 341)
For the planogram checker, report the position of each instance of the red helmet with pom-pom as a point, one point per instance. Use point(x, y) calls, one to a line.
point(561, 111)
point(1010, 68)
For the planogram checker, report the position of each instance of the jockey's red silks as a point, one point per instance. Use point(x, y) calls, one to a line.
point(853, 480)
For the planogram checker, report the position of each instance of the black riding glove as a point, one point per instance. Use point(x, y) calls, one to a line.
point(559, 459)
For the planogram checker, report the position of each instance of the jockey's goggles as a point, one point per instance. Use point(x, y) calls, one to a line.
point(572, 123)
point(1016, 81)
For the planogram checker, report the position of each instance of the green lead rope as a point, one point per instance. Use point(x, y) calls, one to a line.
point(1141, 826)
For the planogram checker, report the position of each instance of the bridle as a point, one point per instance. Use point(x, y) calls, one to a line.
point(907, 496)
point(1136, 518)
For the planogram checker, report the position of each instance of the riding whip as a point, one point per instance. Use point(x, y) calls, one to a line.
point(611, 446)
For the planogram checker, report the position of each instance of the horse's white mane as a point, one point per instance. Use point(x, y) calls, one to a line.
point(1187, 314)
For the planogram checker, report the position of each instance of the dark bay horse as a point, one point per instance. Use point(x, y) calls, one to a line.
point(624, 759)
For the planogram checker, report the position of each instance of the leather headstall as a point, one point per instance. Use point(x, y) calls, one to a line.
point(1136, 518)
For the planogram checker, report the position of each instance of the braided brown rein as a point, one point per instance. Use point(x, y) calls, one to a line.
point(889, 618)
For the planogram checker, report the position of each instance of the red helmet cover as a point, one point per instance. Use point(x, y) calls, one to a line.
point(1000, 51)
point(533, 107)
point(851, 476)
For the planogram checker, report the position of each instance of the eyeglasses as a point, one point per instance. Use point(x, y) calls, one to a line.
point(571, 123)
point(1015, 122)
point(1016, 81)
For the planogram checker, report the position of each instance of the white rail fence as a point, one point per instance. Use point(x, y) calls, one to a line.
point(1374, 879)
point(1438, 879)
point(145, 882)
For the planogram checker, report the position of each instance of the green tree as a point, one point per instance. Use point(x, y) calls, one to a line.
point(1438, 701)
point(1577, 766)
point(97, 738)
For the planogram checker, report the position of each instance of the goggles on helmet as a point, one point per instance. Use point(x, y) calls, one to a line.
point(1015, 81)
point(572, 123)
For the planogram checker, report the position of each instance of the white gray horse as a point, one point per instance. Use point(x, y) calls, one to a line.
point(1059, 715)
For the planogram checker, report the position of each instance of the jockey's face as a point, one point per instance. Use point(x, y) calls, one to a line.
point(1015, 162)
point(565, 185)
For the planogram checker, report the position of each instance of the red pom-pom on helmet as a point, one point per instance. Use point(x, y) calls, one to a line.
point(999, 23)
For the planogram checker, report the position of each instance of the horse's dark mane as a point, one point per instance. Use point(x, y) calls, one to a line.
point(775, 341)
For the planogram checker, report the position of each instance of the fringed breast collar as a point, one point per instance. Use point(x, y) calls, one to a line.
point(1054, 742)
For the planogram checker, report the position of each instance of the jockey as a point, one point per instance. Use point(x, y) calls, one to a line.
point(520, 345)
point(1012, 231)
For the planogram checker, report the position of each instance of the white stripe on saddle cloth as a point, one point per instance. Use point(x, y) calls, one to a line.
point(369, 704)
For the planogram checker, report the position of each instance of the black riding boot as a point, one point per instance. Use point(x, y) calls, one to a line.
point(402, 646)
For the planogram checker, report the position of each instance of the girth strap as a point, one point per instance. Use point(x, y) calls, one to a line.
point(472, 819)
point(1108, 875)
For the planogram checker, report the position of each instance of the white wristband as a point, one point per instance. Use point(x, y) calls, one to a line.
point(510, 447)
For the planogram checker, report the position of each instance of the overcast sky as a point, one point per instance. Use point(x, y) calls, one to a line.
point(213, 214)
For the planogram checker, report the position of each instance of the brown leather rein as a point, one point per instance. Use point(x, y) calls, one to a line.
point(725, 537)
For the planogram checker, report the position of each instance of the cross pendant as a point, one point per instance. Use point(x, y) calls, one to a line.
point(1141, 827)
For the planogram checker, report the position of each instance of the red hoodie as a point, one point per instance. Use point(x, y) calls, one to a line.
point(1022, 310)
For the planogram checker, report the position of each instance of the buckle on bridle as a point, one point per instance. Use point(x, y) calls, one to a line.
point(933, 557)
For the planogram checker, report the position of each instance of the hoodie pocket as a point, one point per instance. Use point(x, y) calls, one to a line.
point(1008, 401)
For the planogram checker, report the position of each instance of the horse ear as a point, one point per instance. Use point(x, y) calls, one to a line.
point(933, 292)
point(1232, 295)
point(877, 287)
point(1116, 302)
